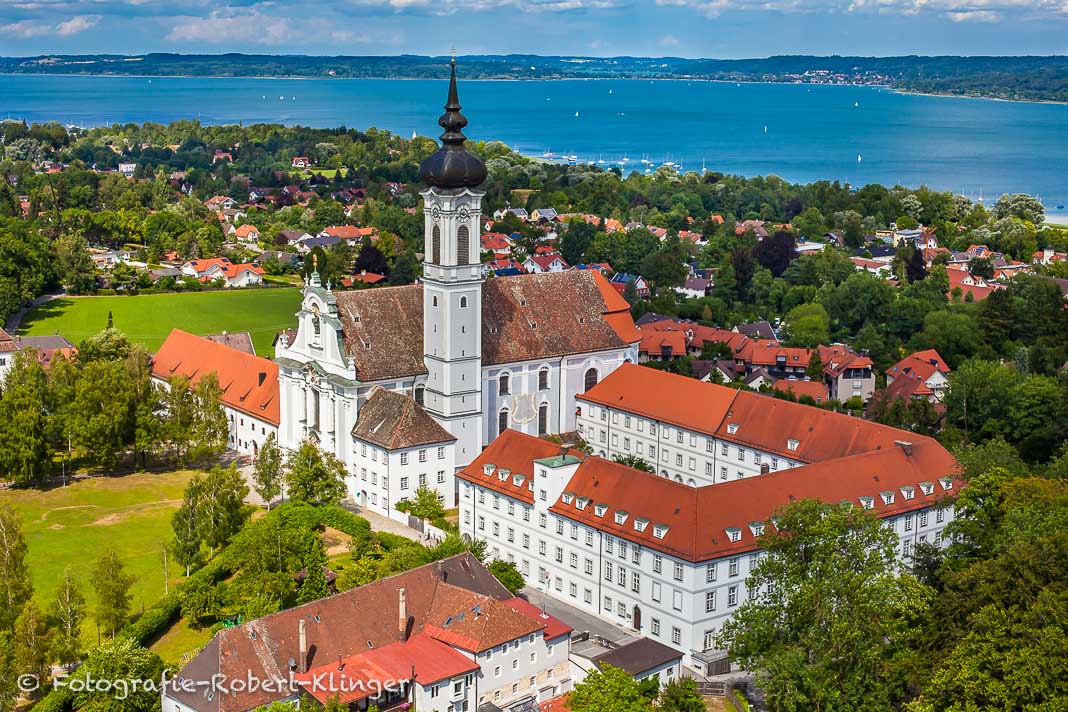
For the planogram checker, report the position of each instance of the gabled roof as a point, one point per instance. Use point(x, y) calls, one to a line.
point(524, 318)
point(249, 383)
point(395, 421)
point(639, 656)
point(240, 340)
point(507, 465)
point(817, 390)
point(453, 598)
point(746, 418)
point(691, 523)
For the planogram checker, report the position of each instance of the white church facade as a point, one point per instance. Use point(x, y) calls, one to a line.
point(479, 356)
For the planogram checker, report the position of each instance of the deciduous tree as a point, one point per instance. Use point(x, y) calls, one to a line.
point(112, 584)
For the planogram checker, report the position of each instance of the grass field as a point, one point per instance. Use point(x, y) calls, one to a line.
point(148, 318)
point(71, 526)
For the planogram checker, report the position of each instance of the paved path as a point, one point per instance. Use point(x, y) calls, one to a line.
point(15, 320)
point(578, 619)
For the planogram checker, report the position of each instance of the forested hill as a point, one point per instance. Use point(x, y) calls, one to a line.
point(1027, 78)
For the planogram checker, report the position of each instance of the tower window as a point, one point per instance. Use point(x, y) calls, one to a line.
point(504, 385)
point(435, 246)
point(463, 302)
point(419, 394)
point(543, 379)
point(435, 298)
point(502, 421)
point(543, 419)
point(591, 379)
point(463, 245)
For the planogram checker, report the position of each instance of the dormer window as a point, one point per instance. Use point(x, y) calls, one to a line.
point(488, 469)
point(732, 428)
point(568, 497)
point(946, 482)
point(734, 534)
point(660, 531)
point(640, 523)
point(621, 516)
point(757, 528)
point(582, 503)
point(867, 502)
point(888, 497)
point(503, 474)
point(600, 509)
point(927, 487)
point(792, 444)
point(517, 480)
point(908, 492)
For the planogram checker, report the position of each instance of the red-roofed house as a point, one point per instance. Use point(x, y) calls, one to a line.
point(816, 390)
point(536, 264)
point(847, 373)
point(666, 554)
point(1048, 256)
point(249, 384)
point(968, 284)
point(247, 233)
point(363, 277)
point(209, 270)
point(923, 374)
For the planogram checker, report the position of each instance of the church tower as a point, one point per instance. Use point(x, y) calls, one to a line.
point(452, 282)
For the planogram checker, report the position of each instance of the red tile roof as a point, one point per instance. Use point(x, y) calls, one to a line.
point(692, 522)
point(554, 627)
point(654, 341)
point(249, 383)
point(817, 390)
point(758, 421)
point(517, 458)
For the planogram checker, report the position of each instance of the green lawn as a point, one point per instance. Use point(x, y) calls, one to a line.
point(180, 641)
point(148, 318)
point(71, 526)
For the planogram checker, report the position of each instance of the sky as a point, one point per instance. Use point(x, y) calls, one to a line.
point(686, 28)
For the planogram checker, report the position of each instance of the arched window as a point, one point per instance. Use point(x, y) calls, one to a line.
point(435, 246)
point(419, 394)
point(463, 245)
point(463, 302)
point(591, 379)
point(691, 482)
point(504, 384)
point(435, 300)
point(502, 421)
point(543, 419)
point(543, 379)
point(316, 326)
point(678, 478)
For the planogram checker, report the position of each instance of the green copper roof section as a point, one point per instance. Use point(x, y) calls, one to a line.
point(559, 461)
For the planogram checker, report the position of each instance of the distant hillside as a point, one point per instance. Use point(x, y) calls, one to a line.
point(1023, 78)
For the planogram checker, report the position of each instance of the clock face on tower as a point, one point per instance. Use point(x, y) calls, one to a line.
point(435, 213)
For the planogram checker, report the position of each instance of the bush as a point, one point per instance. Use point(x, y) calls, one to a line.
point(60, 699)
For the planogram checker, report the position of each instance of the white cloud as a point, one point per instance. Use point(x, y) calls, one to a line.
point(955, 10)
point(255, 27)
point(670, 41)
point(449, 7)
point(25, 29)
point(73, 26)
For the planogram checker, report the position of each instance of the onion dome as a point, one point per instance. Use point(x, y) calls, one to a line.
point(452, 166)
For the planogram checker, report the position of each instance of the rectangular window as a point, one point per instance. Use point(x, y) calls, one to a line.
point(422, 480)
point(441, 477)
point(658, 563)
point(656, 627)
point(676, 636)
point(422, 455)
point(588, 563)
point(723, 473)
point(710, 601)
point(573, 558)
point(678, 571)
point(441, 453)
point(908, 522)
point(676, 599)
point(589, 537)
point(732, 567)
point(923, 518)
point(635, 582)
point(404, 483)
point(710, 573)
point(526, 541)
point(574, 531)
point(732, 596)
point(608, 571)
point(560, 526)
point(404, 458)
point(623, 550)
point(496, 529)
point(939, 516)
point(587, 595)
point(656, 592)
point(622, 578)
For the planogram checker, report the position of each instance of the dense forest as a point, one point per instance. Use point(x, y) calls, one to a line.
point(1023, 78)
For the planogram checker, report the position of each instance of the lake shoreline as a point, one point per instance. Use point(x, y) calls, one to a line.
point(889, 87)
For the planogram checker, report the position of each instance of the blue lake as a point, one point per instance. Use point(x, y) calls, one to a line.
point(802, 133)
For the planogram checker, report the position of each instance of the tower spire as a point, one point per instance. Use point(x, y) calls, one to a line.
point(452, 166)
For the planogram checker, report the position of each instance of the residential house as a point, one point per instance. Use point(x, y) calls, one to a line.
point(221, 155)
point(442, 637)
point(644, 658)
point(537, 264)
point(301, 162)
point(695, 287)
point(847, 373)
point(620, 280)
point(664, 344)
point(814, 389)
point(239, 340)
point(542, 215)
point(209, 270)
point(249, 384)
point(520, 213)
point(876, 267)
point(363, 277)
point(294, 237)
point(756, 330)
point(127, 169)
point(220, 202)
point(1047, 256)
point(969, 286)
point(247, 233)
point(923, 374)
point(501, 265)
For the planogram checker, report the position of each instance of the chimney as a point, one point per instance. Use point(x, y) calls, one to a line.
point(303, 647)
point(402, 615)
point(262, 377)
point(905, 445)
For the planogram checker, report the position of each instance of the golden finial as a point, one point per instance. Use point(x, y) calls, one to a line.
point(315, 262)
point(452, 51)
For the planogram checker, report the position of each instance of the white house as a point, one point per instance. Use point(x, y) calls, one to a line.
point(443, 637)
point(923, 374)
point(539, 264)
point(209, 270)
point(249, 384)
point(664, 559)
